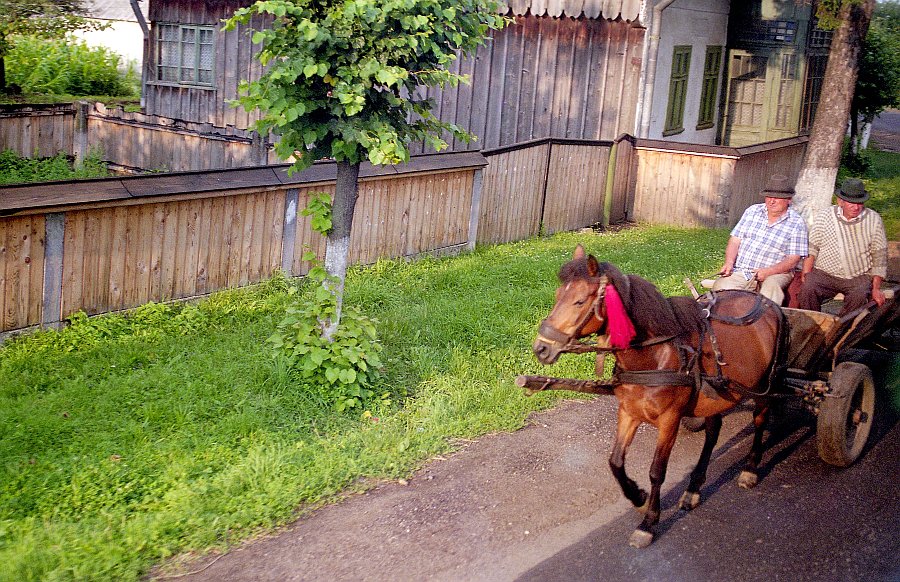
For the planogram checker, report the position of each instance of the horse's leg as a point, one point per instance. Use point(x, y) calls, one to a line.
point(626, 426)
point(748, 477)
point(668, 430)
point(691, 498)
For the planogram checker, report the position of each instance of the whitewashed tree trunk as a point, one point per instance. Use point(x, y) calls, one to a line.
point(337, 246)
point(815, 184)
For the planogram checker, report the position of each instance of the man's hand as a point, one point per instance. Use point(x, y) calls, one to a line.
point(761, 275)
point(726, 270)
point(878, 296)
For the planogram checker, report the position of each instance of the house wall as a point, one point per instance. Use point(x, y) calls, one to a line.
point(699, 23)
point(235, 60)
point(547, 77)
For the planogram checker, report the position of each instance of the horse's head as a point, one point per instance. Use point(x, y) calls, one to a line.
point(581, 306)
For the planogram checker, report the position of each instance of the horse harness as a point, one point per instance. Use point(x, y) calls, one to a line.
point(690, 372)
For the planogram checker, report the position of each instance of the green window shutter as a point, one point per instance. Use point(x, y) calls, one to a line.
point(711, 69)
point(681, 66)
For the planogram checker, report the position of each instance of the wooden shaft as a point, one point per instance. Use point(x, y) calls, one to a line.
point(533, 384)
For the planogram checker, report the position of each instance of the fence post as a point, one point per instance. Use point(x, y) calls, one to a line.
point(475, 211)
point(260, 149)
point(54, 235)
point(610, 182)
point(80, 133)
point(289, 232)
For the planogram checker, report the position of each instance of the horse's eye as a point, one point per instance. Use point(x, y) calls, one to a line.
point(580, 302)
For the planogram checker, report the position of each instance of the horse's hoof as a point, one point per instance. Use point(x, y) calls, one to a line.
point(747, 480)
point(689, 501)
point(640, 539)
point(642, 508)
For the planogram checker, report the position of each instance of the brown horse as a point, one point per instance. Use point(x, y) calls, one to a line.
point(675, 357)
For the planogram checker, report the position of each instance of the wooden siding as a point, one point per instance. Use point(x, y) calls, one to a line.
point(756, 165)
point(546, 77)
point(575, 187)
point(235, 60)
point(21, 271)
point(37, 130)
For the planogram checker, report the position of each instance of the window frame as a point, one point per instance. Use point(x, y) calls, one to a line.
point(712, 70)
point(178, 64)
point(678, 87)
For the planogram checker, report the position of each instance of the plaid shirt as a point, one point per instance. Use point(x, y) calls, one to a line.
point(762, 244)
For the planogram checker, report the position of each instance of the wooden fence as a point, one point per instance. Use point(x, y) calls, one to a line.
point(37, 130)
point(105, 245)
point(706, 186)
point(129, 141)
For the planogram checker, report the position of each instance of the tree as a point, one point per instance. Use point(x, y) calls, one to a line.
point(41, 18)
point(343, 81)
point(815, 184)
point(878, 84)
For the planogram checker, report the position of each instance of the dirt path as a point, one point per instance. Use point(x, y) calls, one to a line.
point(491, 511)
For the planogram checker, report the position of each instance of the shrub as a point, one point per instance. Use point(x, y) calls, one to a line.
point(66, 67)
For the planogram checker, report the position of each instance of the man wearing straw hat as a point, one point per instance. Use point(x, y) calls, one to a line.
point(766, 244)
point(847, 253)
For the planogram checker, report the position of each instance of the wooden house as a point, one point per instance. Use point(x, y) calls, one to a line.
point(696, 71)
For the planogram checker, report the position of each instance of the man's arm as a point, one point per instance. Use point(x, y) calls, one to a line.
point(783, 266)
point(808, 264)
point(731, 253)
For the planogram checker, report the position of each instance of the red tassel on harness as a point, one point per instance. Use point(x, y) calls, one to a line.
point(618, 325)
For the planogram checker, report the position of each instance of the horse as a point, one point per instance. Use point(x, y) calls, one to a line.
point(674, 357)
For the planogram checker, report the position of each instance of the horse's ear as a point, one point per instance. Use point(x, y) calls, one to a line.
point(593, 266)
point(579, 253)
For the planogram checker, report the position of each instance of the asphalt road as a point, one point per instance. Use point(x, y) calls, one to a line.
point(805, 521)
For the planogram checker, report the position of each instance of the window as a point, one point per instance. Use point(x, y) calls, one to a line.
point(678, 83)
point(184, 54)
point(787, 87)
point(711, 69)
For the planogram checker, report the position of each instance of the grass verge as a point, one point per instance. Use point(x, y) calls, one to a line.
point(126, 440)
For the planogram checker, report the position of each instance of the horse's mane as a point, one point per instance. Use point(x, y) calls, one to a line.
point(650, 311)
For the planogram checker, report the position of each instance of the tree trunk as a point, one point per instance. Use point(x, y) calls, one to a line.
point(337, 247)
point(815, 185)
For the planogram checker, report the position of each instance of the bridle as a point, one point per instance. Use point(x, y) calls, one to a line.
point(552, 335)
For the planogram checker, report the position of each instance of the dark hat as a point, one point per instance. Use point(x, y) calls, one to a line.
point(853, 190)
point(779, 186)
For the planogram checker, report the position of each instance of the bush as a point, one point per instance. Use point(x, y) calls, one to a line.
point(66, 67)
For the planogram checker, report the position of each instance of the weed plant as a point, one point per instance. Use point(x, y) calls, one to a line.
point(127, 439)
point(18, 170)
point(68, 67)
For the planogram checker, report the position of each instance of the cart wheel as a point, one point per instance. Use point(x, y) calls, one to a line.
point(693, 423)
point(845, 417)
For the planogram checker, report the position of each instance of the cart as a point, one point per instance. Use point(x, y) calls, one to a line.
point(840, 393)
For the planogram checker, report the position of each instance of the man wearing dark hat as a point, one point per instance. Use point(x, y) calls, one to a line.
point(847, 252)
point(766, 244)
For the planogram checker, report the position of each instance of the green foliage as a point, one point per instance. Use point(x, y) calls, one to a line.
point(17, 170)
point(319, 210)
point(66, 67)
point(44, 18)
point(344, 79)
point(878, 84)
point(342, 368)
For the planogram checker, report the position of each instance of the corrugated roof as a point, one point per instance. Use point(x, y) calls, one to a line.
point(114, 9)
point(629, 10)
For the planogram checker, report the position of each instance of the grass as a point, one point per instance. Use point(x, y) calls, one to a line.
point(882, 179)
point(15, 169)
point(127, 440)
